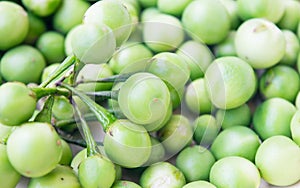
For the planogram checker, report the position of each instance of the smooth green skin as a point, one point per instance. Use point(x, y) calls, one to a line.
point(94, 72)
point(225, 82)
point(134, 3)
point(12, 16)
point(162, 32)
point(30, 144)
point(172, 7)
point(232, 9)
point(60, 177)
point(144, 98)
point(9, 177)
point(12, 95)
point(260, 42)
point(295, 127)
point(279, 154)
point(199, 184)
point(67, 155)
point(81, 155)
point(291, 16)
point(129, 55)
point(36, 27)
point(136, 35)
point(155, 126)
point(236, 141)
point(68, 40)
point(226, 47)
point(114, 104)
point(200, 12)
point(171, 68)
point(157, 152)
point(77, 159)
point(96, 171)
point(273, 117)
point(279, 79)
point(176, 96)
point(239, 172)
point(196, 97)
point(206, 129)
point(272, 10)
point(93, 44)
point(176, 134)
point(133, 12)
point(297, 101)
point(62, 108)
point(195, 163)
point(148, 3)
point(298, 63)
point(148, 13)
point(292, 48)
point(163, 175)
point(65, 18)
point(125, 184)
point(51, 44)
point(198, 57)
point(119, 172)
point(22, 63)
point(42, 8)
point(5, 131)
point(233, 117)
point(127, 144)
point(113, 14)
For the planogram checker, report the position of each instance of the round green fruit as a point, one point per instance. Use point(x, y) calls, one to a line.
point(278, 160)
point(60, 177)
point(9, 177)
point(233, 117)
point(236, 141)
point(279, 79)
point(239, 172)
point(195, 163)
point(225, 82)
point(88, 40)
point(113, 14)
point(23, 63)
point(42, 8)
point(273, 117)
point(197, 184)
point(12, 16)
point(260, 43)
point(199, 13)
point(272, 10)
point(12, 96)
point(163, 175)
point(30, 144)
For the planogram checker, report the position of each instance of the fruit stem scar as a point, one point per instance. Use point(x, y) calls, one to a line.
point(261, 27)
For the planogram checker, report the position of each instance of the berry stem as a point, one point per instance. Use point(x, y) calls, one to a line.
point(65, 65)
point(104, 116)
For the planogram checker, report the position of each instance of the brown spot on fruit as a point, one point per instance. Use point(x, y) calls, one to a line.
point(58, 142)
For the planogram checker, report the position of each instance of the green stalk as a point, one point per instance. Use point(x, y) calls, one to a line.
point(65, 122)
point(114, 78)
point(104, 94)
point(92, 148)
point(65, 65)
point(42, 92)
point(103, 115)
point(78, 65)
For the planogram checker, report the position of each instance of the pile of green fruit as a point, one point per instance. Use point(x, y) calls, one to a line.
point(187, 93)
